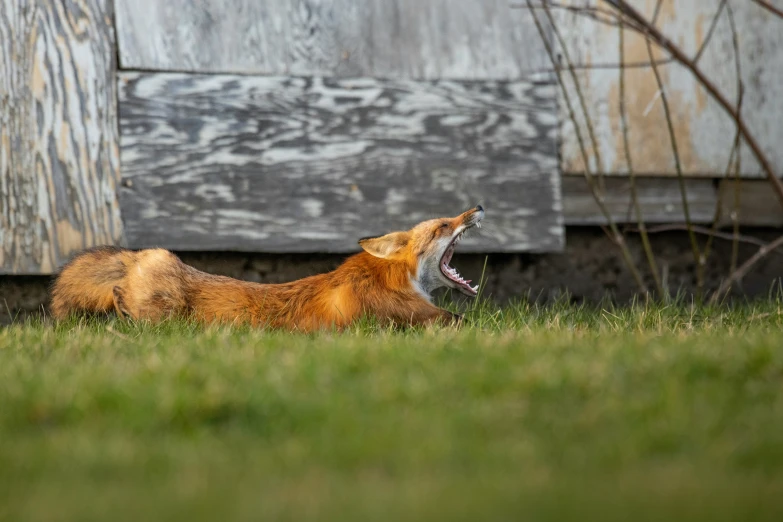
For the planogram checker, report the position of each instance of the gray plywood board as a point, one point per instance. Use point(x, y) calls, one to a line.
point(660, 201)
point(287, 164)
point(458, 39)
point(59, 159)
point(704, 131)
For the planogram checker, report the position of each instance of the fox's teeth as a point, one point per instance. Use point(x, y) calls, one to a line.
point(475, 288)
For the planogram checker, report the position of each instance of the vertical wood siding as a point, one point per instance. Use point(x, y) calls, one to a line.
point(59, 159)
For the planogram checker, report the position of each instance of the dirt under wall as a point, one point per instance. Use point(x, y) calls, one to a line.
point(589, 269)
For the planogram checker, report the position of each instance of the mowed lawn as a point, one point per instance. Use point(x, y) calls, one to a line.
point(529, 413)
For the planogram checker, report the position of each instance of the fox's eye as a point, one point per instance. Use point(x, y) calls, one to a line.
point(444, 225)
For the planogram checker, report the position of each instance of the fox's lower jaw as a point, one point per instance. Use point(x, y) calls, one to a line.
point(453, 277)
point(451, 274)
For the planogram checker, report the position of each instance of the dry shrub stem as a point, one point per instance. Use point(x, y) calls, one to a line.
point(710, 32)
point(648, 252)
point(622, 15)
point(599, 164)
point(615, 234)
point(651, 33)
point(740, 272)
point(769, 7)
point(698, 259)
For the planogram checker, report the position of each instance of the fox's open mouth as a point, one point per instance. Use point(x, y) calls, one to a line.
point(451, 272)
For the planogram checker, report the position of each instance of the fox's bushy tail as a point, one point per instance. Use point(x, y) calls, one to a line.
point(86, 283)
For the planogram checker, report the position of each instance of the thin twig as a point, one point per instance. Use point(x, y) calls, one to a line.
point(599, 165)
point(652, 33)
point(609, 66)
point(740, 272)
point(737, 140)
point(719, 204)
point(709, 32)
point(602, 16)
point(656, 12)
point(674, 227)
point(769, 7)
point(697, 257)
point(634, 193)
point(718, 213)
point(615, 235)
point(735, 217)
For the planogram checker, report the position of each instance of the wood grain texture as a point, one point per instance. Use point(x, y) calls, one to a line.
point(404, 39)
point(290, 164)
point(59, 158)
point(660, 201)
point(704, 132)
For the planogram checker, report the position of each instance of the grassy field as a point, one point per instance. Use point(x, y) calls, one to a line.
point(529, 413)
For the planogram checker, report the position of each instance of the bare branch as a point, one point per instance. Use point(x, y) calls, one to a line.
point(769, 7)
point(745, 268)
point(697, 257)
point(656, 12)
point(599, 164)
point(634, 193)
point(711, 30)
point(707, 232)
point(615, 234)
point(662, 41)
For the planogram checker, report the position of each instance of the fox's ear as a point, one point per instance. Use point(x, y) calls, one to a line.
point(385, 246)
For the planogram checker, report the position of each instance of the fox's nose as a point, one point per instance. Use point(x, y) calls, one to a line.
point(479, 208)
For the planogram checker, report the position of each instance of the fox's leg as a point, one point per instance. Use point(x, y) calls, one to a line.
point(427, 314)
point(119, 302)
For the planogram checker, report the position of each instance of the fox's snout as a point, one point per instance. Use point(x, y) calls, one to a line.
point(473, 216)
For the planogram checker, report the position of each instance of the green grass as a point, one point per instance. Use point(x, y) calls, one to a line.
point(528, 413)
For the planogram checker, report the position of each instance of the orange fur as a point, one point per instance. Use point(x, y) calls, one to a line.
point(154, 284)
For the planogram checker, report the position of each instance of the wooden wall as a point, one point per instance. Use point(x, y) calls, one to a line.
point(348, 119)
point(297, 164)
point(705, 133)
point(395, 39)
point(59, 159)
point(301, 125)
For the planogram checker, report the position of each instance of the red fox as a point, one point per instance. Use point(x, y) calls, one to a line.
point(391, 280)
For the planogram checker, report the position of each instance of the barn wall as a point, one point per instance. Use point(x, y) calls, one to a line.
point(59, 154)
point(348, 119)
point(284, 164)
point(704, 132)
point(300, 125)
point(399, 39)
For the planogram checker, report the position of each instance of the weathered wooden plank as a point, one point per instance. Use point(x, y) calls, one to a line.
point(704, 132)
point(458, 39)
point(59, 160)
point(285, 164)
point(757, 204)
point(659, 199)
